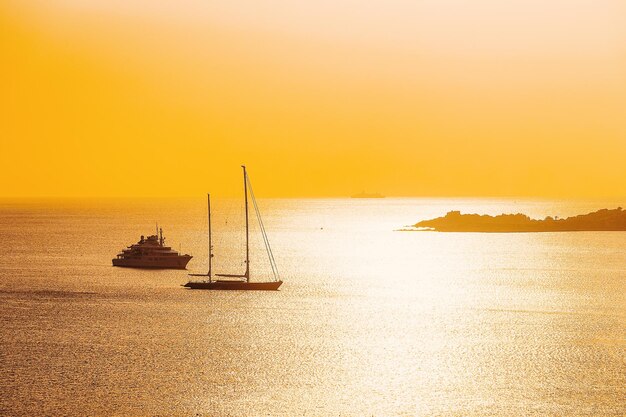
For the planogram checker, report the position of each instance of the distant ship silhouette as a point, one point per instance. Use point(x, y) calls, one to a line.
point(363, 194)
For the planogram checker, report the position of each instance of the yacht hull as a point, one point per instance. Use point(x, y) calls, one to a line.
point(234, 285)
point(178, 262)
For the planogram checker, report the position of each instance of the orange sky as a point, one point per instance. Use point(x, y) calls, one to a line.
point(318, 98)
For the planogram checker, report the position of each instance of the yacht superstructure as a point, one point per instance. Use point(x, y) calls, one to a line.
point(151, 252)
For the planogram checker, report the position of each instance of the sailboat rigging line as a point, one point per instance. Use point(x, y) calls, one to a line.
point(263, 233)
point(266, 240)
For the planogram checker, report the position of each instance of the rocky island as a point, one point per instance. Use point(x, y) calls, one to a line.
point(454, 221)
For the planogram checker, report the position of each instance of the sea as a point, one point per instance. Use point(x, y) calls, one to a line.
point(370, 320)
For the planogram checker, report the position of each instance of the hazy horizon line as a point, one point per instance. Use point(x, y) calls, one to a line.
point(302, 197)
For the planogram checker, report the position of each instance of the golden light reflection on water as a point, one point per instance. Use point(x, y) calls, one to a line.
point(369, 321)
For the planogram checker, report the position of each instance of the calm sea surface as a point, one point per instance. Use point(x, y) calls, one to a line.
point(369, 321)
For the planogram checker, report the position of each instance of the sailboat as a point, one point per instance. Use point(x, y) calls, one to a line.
point(239, 281)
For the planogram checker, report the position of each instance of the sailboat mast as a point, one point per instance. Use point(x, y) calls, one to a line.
point(208, 197)
point(245, 192)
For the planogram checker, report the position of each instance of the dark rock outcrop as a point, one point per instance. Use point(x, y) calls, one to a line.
point(454, 221)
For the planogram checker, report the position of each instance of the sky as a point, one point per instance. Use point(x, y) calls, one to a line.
point(320, 98)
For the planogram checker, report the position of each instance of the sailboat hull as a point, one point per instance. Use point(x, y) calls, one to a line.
point(234, 285)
